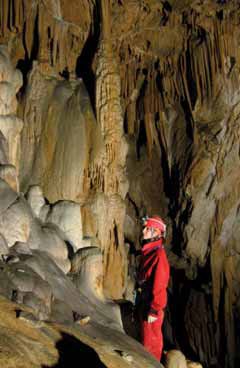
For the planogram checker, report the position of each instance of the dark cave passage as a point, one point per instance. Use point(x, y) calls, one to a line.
point(73, 352)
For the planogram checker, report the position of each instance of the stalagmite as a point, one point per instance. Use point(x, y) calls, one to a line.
point(10, 124)
point(110, 119)
point(87, 270)
point(127, 108)
point(37, 202)
point(67, 216)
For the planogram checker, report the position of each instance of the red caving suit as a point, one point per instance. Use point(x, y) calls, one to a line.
point(153, 280)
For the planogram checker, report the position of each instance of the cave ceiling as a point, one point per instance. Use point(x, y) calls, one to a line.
point(131, 107)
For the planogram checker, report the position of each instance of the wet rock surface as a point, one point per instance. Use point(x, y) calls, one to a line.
point(121, 109)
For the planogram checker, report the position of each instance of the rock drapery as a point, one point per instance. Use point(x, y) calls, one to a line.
point(158, 134)
point(38, 246)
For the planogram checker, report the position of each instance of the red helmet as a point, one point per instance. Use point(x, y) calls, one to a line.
point(155, 222)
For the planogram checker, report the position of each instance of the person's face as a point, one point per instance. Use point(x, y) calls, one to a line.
point(147, 233)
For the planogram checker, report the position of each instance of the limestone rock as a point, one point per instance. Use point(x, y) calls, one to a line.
point(61, 312)
point(67, 216)
point(3, 150)
point(83, 320)
point(30, 318)
point(130, 227)
point(6, 68)
point(52, 243)
point(39, 340)
point(198, 230)
point(191, 364)
point(10, 124)
point(11, 127)
point(15, 222)
point(60, 156)
point(37, 202)
point(3, 246)
point(64, 290)
point(8, 101)
point(7, 196)
point(115, 257)
point(21, 248)
point(163, 81)
point(36, 234)
point(63, 264)
point(87, 274)
point(8, 74)
point(175, 359)
point(9, 174)
point(25, 286)
point(23, 279)
point(47, 238)
point(35, 303)
point(7, 288)
point(79, 258)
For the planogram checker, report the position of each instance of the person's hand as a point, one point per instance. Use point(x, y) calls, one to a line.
point(151, 319)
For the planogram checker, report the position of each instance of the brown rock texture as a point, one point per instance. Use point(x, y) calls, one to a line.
point(132, 107)
point(30, 344)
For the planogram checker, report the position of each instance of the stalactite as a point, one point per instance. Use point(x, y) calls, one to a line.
point(219, 48)
point(203, 73)
point(131, 118)
point(208, 69)
point(1, 20)
point(148, 127)
point(114, 183)
point(154, 79)
point(30, 21)
point(200, 63)
point(106, 10)
point(185, 83)
point(15, 15)
point(11, 16)
point(19, 14)
point(5, 10)
point(217, 277)
point(229, 319)
point(54, 39)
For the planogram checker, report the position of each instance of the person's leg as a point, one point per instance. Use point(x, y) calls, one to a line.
point(152, 337)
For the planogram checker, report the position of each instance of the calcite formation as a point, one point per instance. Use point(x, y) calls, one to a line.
point(111, 187)
point(87, 275)
point(127, 108)
point(10, 124)
point(38, 244)
point(175, 358)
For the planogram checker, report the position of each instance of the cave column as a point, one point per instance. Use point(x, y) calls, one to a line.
point(115, 184)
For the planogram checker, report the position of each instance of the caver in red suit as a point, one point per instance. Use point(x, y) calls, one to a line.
point(153, 277)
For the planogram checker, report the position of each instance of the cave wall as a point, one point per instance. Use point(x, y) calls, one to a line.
point(132, 107)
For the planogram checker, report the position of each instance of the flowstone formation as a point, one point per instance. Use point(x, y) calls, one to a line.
point(51, 278)
point(127, 108)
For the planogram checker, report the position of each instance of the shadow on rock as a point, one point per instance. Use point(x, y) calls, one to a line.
point(130, 320)
point(73, 352)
